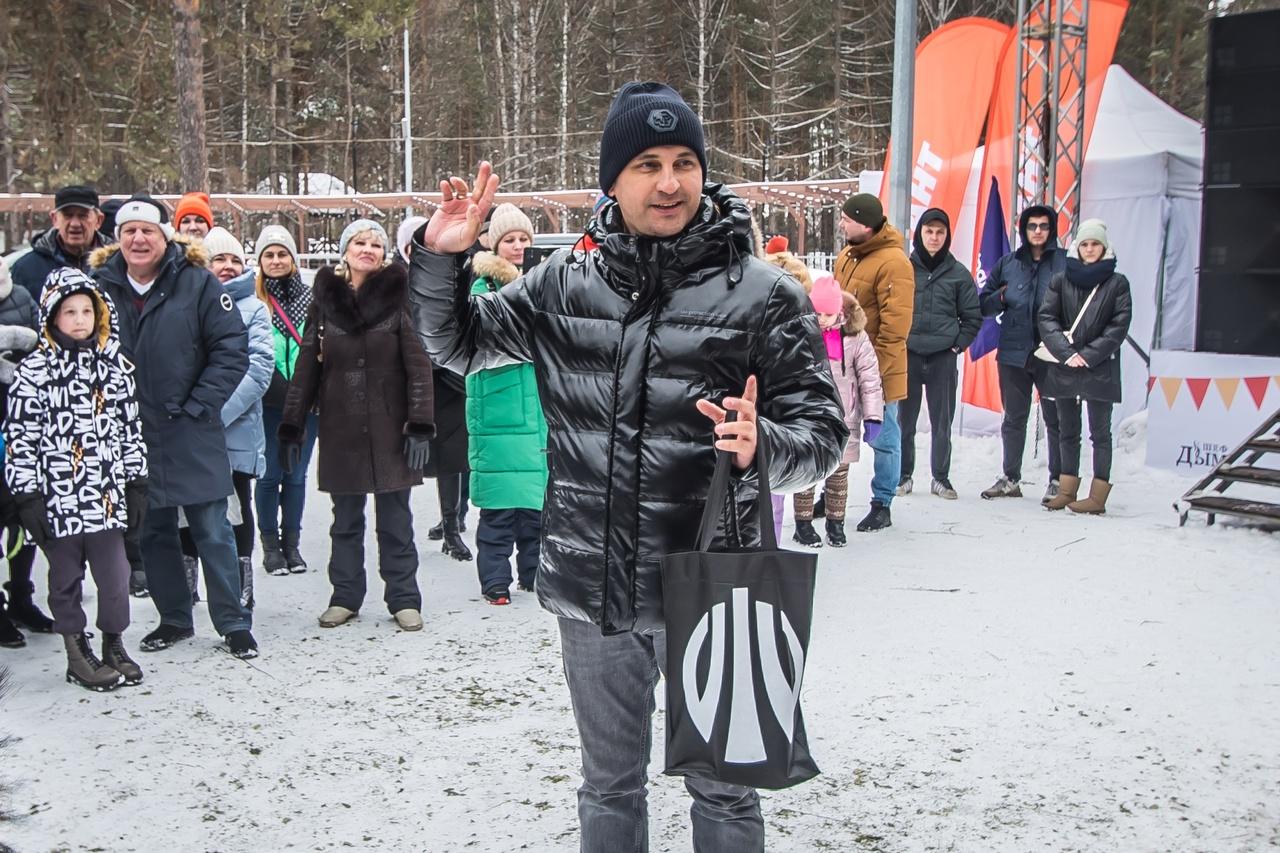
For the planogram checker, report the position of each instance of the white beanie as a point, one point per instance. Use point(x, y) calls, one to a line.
point(219, 241)
point(404, 234)
point(507, 218)
point(275, 235)
point(1091, 229)
point(138, 210)
point(359, 227)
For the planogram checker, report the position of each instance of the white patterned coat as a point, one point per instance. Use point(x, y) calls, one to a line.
point(73, 431)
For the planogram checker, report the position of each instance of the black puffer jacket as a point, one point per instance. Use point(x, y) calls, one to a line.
point(625, 340)
point(1097, 338)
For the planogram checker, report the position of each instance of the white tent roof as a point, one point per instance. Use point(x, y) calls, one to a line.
point(1134, 125)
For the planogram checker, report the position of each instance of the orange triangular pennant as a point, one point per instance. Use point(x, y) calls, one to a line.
point(1257, 386)
point(1199, 387)
point(1227, 387)
point(1170, 386)
point(1277, 379)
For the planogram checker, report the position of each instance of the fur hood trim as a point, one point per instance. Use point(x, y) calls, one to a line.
point(356, 311)
point(789, 263)
point(495, 268)
point(193, 249)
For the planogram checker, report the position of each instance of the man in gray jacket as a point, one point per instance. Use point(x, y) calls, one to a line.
point(946, 319)
point(639, 349)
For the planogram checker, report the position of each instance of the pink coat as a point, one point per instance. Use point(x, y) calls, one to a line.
point(858, 378)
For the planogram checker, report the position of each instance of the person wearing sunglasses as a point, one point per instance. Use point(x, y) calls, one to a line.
point(1014, 291)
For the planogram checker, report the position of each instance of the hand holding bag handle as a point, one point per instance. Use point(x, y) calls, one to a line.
point(719, 492)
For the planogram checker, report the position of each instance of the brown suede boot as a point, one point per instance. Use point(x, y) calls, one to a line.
point(1068, 491)
point(1096, 503)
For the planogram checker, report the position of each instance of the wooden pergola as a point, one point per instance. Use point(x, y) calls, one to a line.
point(799, 198)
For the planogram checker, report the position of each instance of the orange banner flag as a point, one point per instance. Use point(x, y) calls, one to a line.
point(1105, 19)
point(955, 73)
point(1170, 385)
point(1227, 388)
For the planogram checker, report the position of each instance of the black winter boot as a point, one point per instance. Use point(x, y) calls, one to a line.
point(292, 556)
point(835, 533)
point(820, 506)
point(806, 535)
point(10, 636)
point(878, 519)
point(453, 544)
point(115, 656)
point(22, 608)
point(436, 533)
point(273, 560)
point(84, 668)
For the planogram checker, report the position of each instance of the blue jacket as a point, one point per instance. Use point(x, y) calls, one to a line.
point(46, 255)
point(242, 413)
point(1016, 288)
point(190, 350)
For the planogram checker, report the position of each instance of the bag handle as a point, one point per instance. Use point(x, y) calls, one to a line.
point(719, 493)
point(1083, 308)
point(285, 318)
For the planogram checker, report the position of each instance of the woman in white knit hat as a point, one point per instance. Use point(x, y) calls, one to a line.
point(1083, 321)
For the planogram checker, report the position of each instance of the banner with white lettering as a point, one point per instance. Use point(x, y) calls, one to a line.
point(1202, 405)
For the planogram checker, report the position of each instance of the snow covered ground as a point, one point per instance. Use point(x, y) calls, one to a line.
point(984, 676)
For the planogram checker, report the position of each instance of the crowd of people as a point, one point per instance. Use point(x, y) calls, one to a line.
point(154, 374)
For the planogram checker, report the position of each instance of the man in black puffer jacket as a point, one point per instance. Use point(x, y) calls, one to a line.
point(631, 344)
point(945, 320)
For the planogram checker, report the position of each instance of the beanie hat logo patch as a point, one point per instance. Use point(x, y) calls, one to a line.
point(663, 121)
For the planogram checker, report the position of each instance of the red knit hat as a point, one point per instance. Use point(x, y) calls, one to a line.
point(194, 203)
point(826, 296)
point(777, 244)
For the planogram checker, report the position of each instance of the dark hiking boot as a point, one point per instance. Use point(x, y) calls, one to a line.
point(115, 656)
point(292, 556)
point(138, 585)
point(246, 582)
point(454, 546)
point(877, 519)
point(273, 561)
point(22, 608)
point(436, 533)
point(835, 533)
point(820, 506)
point(10, 636)
point(241, 644)
point(806, 535)
point(165, 636)
point(84, 668)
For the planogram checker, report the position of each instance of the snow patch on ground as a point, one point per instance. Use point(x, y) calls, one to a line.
point(983, 676)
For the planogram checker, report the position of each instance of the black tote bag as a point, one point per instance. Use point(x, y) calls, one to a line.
point(737, 637)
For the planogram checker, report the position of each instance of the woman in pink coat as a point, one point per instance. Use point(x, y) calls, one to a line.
point(857, 374)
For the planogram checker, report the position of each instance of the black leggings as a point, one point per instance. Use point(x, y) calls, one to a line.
point(243, 485)
point(1069, 435)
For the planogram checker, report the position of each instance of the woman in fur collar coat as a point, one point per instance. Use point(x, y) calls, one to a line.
point(362, 363)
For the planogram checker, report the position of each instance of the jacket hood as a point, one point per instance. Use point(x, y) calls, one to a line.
point(920, 255)
point(64, 282)
point(1038, 210)
point(789, 263)
point(495, 268)
point(886, 237)
point(855, 319)
point(242, 286)
point(180, 248)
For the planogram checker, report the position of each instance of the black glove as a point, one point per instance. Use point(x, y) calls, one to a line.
point(290, 455)
point(34, 517)
point(135, 504)
point(417, 451)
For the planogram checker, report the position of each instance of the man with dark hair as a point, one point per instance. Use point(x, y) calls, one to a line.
point(1015, 290)
point(68, 243)
point(639, 349)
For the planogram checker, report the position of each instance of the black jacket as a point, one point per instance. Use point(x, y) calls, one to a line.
point(1097, 338)
point(1017, 287)
point(624, 341)
point(190, 349)
point(46, 255)
point(946, 313)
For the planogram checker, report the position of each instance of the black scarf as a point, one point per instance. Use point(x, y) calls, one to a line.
point(294, 297)
point(1090, 275)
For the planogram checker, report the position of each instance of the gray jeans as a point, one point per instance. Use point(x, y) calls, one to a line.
point(611, 685)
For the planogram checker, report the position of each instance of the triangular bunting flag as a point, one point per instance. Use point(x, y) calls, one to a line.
point(1277, 379)
point(1170, 385)
point(1151, 380)
point(1199, 387)
point(1257, 386)
point(1227, 387)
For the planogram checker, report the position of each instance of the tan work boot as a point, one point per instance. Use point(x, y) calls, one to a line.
point(1096, 503)
point(1068, 491)
point(335, 616)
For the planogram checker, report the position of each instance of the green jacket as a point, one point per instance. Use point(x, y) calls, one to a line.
point(506, 427)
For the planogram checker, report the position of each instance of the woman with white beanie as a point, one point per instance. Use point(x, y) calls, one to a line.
point(1083, 321)
point(281, 496)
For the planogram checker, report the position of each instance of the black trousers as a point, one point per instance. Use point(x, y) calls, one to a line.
point(1069, 435)
point(1016, 385)
point(933, 377)
point(243, 485)
point(499, 531)
point(397, 554)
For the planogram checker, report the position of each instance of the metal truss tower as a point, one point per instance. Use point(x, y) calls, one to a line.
point(1049, 108)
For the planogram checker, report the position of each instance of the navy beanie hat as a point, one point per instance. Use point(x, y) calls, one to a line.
point(644, 115)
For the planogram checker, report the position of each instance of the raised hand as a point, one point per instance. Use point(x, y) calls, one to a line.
point(456, 224)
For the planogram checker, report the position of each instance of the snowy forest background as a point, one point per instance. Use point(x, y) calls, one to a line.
point(93, 90)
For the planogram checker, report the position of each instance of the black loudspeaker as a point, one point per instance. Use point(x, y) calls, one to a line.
point(1239, 297)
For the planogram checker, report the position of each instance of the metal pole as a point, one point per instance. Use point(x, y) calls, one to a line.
point(405, 128)
point(1015, 191)
point(904, 87)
